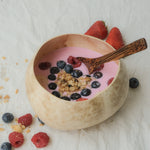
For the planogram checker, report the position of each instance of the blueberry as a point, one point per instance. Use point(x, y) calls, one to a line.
point(6, 146)
point(56, 93)
point(85, 92)
point(40, 121)
point(133, 82)
point(76, 73)
point(7, 117)
point(95, 84)
point(52, 77)
point(61, 64)
point(68, 68)
point(52, 86)
point(65, 98)
point(97, 75)
point(54, 70)
point(75, 96)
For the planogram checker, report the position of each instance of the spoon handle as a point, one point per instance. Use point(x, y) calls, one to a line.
point(127, 50)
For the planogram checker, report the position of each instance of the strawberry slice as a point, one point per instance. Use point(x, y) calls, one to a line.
point(115, 38)
point(81, 99)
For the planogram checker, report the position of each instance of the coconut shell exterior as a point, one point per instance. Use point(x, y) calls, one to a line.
point(69, 115)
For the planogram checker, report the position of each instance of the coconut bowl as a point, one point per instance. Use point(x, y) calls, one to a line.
point(68, 115)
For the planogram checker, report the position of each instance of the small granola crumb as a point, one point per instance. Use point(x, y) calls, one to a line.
point(17, 91)
point(28, 130)
point(6, 97)
point(1, 87)
point(3, 57)
point(17, 128)
point(1, 96)
point(16, 119)
point(6, 79)
point(6, 101)
point(16, 63)
point(2, 129)
point(36, 116)
point(22, 126)
point(26, 60)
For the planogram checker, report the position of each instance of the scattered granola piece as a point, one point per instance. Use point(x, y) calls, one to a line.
point(36, 116)
point(28, 130)
point(3, 57)
point(16, 63)
point(2, 129)
point(6, 79)
point(26, 60)
point(6, 97)
point(1, 87)
point(17, 91)
point(17, 128)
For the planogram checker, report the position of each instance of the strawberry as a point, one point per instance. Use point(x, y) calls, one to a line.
point(81, 99)
point(115, 38)
point(98, 29)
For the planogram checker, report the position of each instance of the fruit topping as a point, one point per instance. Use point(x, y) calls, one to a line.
point(40, 121)
point(56, 93)
point(95, 84)
point(16, 139)
point(74, 61)
point(52, 86)
point(98, 29)
point(40, 140)
point(97, 75)
point(133, 82)
point(65, 98)
point(110, 80)
point(44, 65)
point(52, 77)
point(75, 96)
point(81, 99)
point(7, 117)
point(86, 92)
point(54, 70)
point(61, 64)
point(25, 120)
point(68, 68)
point(6, 146)
point(100, 67)
point(115, 38)
point(76, 73)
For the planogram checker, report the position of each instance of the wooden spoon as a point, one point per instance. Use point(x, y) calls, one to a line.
point(94, 63)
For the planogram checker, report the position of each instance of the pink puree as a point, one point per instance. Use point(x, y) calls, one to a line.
point(109, 70)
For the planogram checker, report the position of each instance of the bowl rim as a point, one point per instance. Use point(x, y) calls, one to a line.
point(72, 34)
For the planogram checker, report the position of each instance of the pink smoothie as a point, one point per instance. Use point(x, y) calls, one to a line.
point(110, 69)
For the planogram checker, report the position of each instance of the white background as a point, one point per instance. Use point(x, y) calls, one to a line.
point(26, 24)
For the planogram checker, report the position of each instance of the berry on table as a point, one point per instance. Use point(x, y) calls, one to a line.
point(61, 64)
point(25, 120)
point(86, 92)
point(16, 139)
point(65, 98)
point(95, 84)
point(7, 117)
point(54, 70)
point(40, 140)
point(75, 96)
point(6, 146)
point(52, 77)
point(74, 61)
point(76, 73)
point(44, 65)
point(68, 68)
point(52, 86)
point(56, 93)
point(133, 82)
point(97, 75)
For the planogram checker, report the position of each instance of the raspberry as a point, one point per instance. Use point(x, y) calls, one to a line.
point(40, 140)
point(25, 120)
point(16, 139)
point(74, 61)
point(100, 67)
point(110, 80)
point(81, 99)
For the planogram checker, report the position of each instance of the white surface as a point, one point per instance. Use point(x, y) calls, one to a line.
point(26, 24)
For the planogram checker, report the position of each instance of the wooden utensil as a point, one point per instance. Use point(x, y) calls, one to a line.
point(94, 63)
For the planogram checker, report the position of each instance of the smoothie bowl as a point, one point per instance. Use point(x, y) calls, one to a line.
point(63, 93)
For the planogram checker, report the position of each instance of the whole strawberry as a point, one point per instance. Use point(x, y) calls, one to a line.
point(98, 29)
point(25, 120)
point(115, 38)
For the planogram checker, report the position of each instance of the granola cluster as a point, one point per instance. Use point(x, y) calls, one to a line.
point(67, 83)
